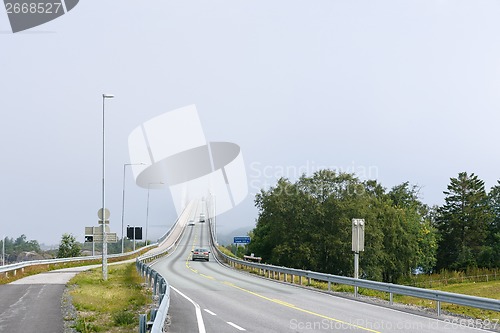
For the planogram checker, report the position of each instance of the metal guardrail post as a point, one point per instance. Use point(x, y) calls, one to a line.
point(153, 313)
point(142, 323)
point(155, 283)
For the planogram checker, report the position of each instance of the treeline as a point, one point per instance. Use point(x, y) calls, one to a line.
point(21, 249)
point(307, 225)
point(14, 247)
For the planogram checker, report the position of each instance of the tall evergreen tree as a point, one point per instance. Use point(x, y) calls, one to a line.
point(491, 256)
point(463, 223)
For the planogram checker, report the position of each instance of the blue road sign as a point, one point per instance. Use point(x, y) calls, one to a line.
point(242, 240)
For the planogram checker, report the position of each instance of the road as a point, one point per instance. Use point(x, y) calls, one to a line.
point(209, 297)
point(33, 304)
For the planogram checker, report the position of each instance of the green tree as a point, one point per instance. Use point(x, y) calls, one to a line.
point(68, 247)
point(490, 256)
point(463, 223)
point(417, 222)
point(307, 225)
point(22, 244)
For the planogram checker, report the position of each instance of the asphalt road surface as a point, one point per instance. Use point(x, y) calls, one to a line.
point(33, 304)
point(209, 297)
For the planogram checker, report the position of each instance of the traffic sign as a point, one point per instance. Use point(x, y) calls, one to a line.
point(241, 240)
point(358, 235)
point(134, 233)
point(98, 230)
point(110, 238)
point(106, 214)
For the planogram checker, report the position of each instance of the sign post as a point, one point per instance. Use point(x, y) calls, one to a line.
point(358, 244)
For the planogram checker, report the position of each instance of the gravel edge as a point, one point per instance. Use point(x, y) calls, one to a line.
point(69, 312)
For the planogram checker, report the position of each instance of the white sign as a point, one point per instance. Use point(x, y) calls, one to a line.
point(358, 235)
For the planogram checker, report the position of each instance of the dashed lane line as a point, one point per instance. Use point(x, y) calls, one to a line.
point(209, 312)
point(236, 326)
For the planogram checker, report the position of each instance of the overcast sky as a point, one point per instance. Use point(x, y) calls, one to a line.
point(393, 90)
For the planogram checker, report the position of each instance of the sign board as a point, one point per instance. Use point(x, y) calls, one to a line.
point(106, 214)
point(241, 240)
point(136, 230)
point(110, 238)
point(358, 235)
point(98, 230)
point(94, 234)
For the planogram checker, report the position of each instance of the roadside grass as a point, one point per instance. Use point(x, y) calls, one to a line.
point(227, 252)
point(481, 289)
point(109, 306)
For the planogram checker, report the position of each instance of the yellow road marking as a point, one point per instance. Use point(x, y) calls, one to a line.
point(274, 300)
point(303, 310)
point(282, 302)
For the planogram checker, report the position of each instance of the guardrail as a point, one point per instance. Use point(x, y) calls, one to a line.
point(270, 271)
point(161, 289)
point(14, 268)
point(159, 284)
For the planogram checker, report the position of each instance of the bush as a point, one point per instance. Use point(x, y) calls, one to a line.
point(124, 318)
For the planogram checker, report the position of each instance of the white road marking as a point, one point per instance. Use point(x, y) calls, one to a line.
point(199, 318)
point(208, 311)
point(236, 326)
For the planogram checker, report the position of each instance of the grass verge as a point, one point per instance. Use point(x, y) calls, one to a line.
point(109, 306)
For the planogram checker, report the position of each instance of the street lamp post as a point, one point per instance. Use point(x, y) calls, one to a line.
point(123, 196)
point(104, 241)
point(147, 213)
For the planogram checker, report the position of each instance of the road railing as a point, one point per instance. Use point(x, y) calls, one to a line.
point(159, 285)
point(289, 274)
point(13, 269)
